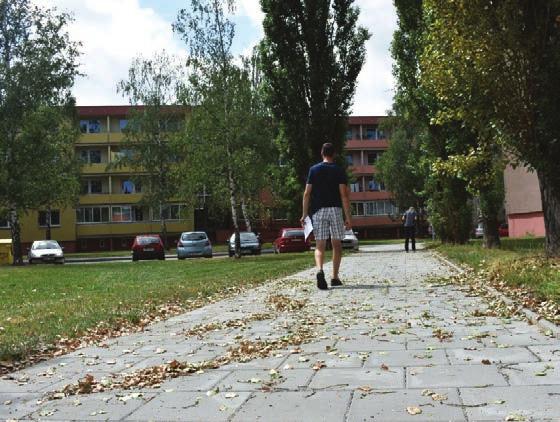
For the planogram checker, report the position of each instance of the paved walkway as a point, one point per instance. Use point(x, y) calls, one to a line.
point(387, 346)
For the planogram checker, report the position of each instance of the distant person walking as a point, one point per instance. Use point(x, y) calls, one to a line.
point(409, 218)
point(325, 197)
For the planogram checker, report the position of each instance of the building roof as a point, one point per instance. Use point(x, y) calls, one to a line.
point(114, 110)
point(365, 120)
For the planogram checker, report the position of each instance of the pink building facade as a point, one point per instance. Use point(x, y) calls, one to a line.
point(523, 203)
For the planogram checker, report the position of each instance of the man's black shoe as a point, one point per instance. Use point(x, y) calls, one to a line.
point(336, 282)
point(321, 282)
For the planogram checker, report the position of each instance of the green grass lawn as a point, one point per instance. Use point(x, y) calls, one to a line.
point(518, 262)
point(40, 303)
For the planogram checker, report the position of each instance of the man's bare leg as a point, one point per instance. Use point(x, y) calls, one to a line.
point(337, 256)
point(320, 246)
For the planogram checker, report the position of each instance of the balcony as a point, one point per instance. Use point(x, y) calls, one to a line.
point(132, 228)
point(356, 144)
point(97, 168)
point(93, 138)
point(365, 169)
point(116, 137)
point(369, 195)
point(108, 199)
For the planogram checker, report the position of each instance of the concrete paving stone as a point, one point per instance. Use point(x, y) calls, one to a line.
point(454, 376)
point(335, 359)
point(187, 407)
point(434, 343)
point(533, 403)
point(318, 346)
point(391, 406)
point(494, 355)
point(194, 382)
point(261, 363)
point(406, 358)
point(537, 373)
point(534, 339)
point(32, 385)
point(365, 344)
point(254, 379)
point(17, 405)
point(95, 407)
point(111, 351)
point(178, 348)
point(295, 406)
point(352, 378)
point(547, 353)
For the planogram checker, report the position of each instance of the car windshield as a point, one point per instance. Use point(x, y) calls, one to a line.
point(194, 236)
point(47, 244)
point(293, 233)
point(349, 233)
point(147, 240)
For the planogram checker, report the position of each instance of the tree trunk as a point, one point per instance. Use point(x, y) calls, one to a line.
point(15, 229)
point(550, 196)
point(48, 234)
point(491, 234)
point(246, 215)
point(163, 228)
point(234, 217)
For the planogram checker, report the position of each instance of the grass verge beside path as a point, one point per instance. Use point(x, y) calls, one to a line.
point(40, 304)
point(518, 263)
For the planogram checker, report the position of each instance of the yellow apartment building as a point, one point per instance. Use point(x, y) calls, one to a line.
point(108, 215)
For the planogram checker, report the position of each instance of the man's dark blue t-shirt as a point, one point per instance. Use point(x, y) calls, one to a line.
point(325, 178)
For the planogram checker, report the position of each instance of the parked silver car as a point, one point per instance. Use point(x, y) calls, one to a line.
point(350, 240)
point(250, 244)
point(45, 251)
point(193, 244)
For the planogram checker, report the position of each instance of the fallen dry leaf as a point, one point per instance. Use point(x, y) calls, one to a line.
point(413, 410)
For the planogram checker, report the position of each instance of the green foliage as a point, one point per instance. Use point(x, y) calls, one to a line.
point(228, 138)
point(312, 54)
point(495, 66)
point(38, 65)
point(151, 133)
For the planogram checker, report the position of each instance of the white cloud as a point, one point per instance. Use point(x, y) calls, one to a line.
point(112, 32)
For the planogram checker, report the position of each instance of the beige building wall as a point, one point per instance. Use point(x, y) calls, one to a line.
point(522, 191)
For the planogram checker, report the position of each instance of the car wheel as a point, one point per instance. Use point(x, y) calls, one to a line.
point(32, 262)
point(208, 256)
point(61, 262)
point(135, 257)
point(162, 257)
point(181, 258)
point(258, 252)
point(230, 253)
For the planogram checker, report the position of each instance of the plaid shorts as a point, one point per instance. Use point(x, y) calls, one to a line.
point(328, 222)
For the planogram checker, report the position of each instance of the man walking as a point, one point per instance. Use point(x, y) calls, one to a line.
point(409, 218)
point(325, 196)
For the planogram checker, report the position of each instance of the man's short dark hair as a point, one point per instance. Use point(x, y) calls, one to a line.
point(327, 150)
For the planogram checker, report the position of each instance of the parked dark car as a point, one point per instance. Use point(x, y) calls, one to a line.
point(250, 244)
point(503, 230)
point(193, 244)
point(291, 240)
point(148, 246)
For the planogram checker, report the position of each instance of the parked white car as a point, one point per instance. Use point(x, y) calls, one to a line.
point(350, 240)
point(45, 251)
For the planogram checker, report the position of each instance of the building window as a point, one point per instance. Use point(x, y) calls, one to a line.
point(377, 208)
point(349, 134)
point(124, 154)
point(90, 156)
point(55, 218)
point(121, 214)
point(102, 244)
point(92, 215)
point(371, 133)
point(349, 159)
point(90, 126)
point(123, 123)
point(356, 186)
point(83, 244)
point(92, 187)
point(4, 223)
point(138, 214)
point(357, 209)
point(170, 212)
point(372, 157)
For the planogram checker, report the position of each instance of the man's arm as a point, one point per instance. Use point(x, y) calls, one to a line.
point(346, 205)
point(306, 200)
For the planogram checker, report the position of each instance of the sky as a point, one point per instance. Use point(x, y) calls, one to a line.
point(113, 32)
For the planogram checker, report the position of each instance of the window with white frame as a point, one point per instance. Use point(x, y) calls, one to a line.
point(92, 186)
point(44, 218)
point(170, 212)
point(86, 215)
point(90, 156)
point(121, 214)
point(90, 126)
point(357, 209)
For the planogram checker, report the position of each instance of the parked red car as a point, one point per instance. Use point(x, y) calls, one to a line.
point(291, 240)
point(148, 246)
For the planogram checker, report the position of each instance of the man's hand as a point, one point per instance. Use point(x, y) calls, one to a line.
point(302, 220)
point(348, 224)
